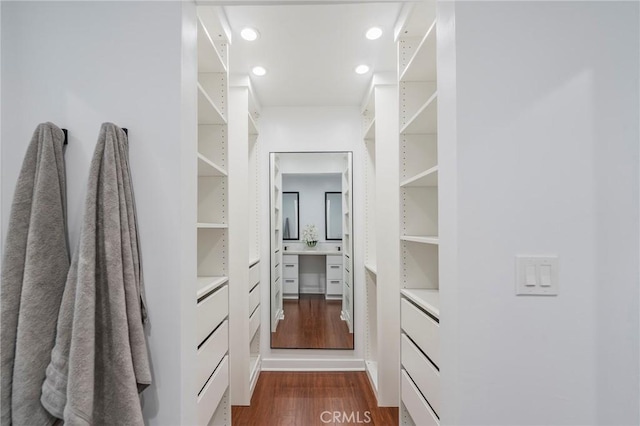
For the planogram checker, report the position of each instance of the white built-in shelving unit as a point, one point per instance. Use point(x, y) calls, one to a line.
point(275, 176)
point(212, 227)
point(244, 248)
point(347, 256)
point(381, 215)
point(419, 277)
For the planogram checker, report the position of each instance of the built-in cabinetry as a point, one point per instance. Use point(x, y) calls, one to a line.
point(244, 257)
point(212, 283)
point(380, 135)
point(347, 235)
point(419, 278)
point(333, 273)
point(275, 177)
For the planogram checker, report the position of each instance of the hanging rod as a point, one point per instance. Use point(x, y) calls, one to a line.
point(66, 136)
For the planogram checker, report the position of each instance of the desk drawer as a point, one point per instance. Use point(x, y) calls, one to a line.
point(290, 258)
point(334, 259)
point(418, 408)
point(423, 373)
point(212, 311)
point(211, 352)
point(334, 287)
point(422, 329)
point(290, 270)
point(291, 286)
point(334, 272)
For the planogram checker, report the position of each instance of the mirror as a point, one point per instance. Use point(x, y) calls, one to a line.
point(333, 215)
point(311, 250)
point(290, 218)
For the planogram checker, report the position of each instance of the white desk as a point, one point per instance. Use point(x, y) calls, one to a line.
point(291, 272)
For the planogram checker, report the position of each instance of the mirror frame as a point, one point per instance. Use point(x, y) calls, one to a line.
point(326, 221)
point(297, 218)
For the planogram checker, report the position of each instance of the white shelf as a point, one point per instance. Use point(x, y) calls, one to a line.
point(370, 131)
point(253, 366)
point(207, 167)
point(371, 268)
point(208, 225)
point(426, 178)
point(207, 284)
point(372, 372)
point(427, 299)
point(208, 112)
point(209, 58)
point(253, 127)
point(425, 120)
point(422, 65)
point(420, 239)
point(253, 261)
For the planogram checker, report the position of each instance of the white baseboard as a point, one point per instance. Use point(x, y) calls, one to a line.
point(307, 364)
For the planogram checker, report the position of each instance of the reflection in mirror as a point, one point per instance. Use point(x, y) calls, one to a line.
point(333, 215)
point(291, 223)
point(311, 284)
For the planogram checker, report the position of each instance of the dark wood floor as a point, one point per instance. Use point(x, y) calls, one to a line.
point(312, 322)
point(313, 398)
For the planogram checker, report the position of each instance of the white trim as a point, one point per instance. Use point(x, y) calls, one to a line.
point(312, 364)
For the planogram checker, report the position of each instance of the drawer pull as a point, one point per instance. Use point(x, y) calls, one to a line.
point(335, 281)
point(289, 266)
point(288, 281)
point(335, 266)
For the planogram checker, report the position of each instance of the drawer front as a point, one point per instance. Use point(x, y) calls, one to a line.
point(254, 322)
point(334, 287)
point(423, 373)
point(290, 286)
point(290, 258)
point(254, 275)
point(416, 405)
point(212, 311)
point(334, 259)
point(211, 352)
point(334, 272)
point(254, 298)
point(290, 270)
point(212, 393)
point(422, 329)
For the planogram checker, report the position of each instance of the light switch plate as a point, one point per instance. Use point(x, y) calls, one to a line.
point(537, 275)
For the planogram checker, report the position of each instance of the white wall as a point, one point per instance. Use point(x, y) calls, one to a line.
point(79, 64)
point(312, 129)
point(311, 189)
point(545, 162)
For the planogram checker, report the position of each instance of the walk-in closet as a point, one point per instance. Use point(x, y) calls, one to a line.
point(335, 212)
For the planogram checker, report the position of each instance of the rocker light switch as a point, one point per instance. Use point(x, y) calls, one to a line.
point(537, 275)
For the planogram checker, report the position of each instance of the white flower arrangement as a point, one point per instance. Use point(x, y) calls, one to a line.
point(310, 235)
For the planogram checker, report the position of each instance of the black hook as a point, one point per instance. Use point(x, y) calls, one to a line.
point(126, 131)
point(66, 136)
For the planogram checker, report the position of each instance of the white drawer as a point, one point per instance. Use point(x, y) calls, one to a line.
point(254, 322)
point(423, 373)
point(290, 258)
point(418, 409)
point(213, 391)
point(254, 298)
point(422, 329)
point(211, 352)
point(334, 287)
point(290, 270)
point(291, 286)
point(254, 275)
point(212, 311)
point(334, 259)
point(334, 272)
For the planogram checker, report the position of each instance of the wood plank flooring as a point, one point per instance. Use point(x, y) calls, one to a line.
point(313, 398)
point(312, 322)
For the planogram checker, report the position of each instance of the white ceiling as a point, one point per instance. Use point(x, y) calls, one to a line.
point(310, 51)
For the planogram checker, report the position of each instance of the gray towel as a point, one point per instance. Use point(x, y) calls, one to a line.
point(34, 271)
point(100, 360)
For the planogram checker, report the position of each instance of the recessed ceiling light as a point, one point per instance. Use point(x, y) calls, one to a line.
point(362, 69)
point(374, 33)
point(259, 71)
point(249, 34)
